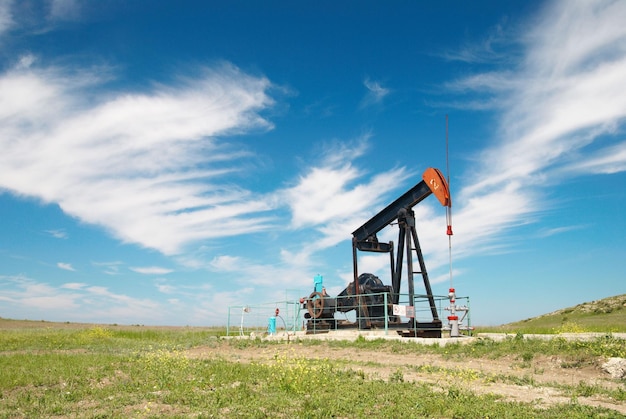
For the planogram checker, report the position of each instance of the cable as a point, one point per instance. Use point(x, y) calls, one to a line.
point(449, 207)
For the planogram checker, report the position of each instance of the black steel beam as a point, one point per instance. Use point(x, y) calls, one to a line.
point(385, 217)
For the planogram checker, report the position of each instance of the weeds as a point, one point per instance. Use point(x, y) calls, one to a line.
point(160, 364)
point(300, 375)
point(106, 372)
point(396, 377)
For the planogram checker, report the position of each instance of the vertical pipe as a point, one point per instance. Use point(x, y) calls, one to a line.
point(469, 319)
point(355, 277)
point(228, 324)
point(386, 313)
point(409, 267)
point(393, 267)
point(397, 277)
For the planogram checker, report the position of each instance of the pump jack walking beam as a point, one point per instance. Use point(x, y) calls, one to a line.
point(364, 238)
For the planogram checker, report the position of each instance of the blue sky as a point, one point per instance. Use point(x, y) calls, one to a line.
point(162, 162)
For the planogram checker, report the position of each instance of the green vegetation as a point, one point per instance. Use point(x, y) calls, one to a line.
point(513, 346)
point(604, 316)
point(111, 372)
point(101, 338)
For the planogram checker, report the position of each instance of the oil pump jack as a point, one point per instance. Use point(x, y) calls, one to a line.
point(368, 297)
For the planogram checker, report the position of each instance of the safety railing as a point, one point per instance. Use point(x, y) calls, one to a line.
point(365, 312)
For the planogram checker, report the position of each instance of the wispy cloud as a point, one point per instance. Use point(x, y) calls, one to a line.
point(485, 51)
point(57, 234)
point(151, 270)
point(65, 9)
point(65, 266)
point(565, 94)
point(74, 285)
point(110, 268)
point(333, 193)
point(32, 299)
point(611, 159)
point(326, 203)
point(285, 273)
point(146, 166)
point(375, 93)
point(6, 17)
point(38, 17)
point(559, 230)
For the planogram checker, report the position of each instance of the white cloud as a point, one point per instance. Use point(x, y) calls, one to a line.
point(53, 302)
point(6, 17)
point(187, 291)
point(66, 266)
point(486, 51)
point(204, 304)
point(65, 9)
point(375, 93)
point(287, 273)
point(57, 234)
point(559, 230)
point(38, 17)
point(165, 289)
point(29, 296)
point(151, 270)
point(322, 196)
point(573, 37)
point(566, 94)
point(334, 197)
point(26, 61)
point(212, 308)
point(226, 263)
point(606, 161)
point(31, 299)
point(146, 166)
point(110, 268)
point(74, 285)
point(334, 190)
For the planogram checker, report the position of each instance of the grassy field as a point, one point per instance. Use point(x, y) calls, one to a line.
point(605, 316)
point(75, 371)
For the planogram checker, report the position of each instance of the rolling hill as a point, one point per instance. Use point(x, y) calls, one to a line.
point(607, 315)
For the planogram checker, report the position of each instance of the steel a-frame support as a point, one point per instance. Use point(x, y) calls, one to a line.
point(407, 244)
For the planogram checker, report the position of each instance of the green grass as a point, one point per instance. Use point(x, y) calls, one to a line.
point(153, 385)
point(514, 345)
point(105, 372)
point(603, 316)
point(101, 338)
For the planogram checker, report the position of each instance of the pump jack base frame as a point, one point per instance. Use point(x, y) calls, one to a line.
point(406, 329)
point(423, 330)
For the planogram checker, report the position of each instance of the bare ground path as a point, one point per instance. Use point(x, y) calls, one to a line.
point(542, 381)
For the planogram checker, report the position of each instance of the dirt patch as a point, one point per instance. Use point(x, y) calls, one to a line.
point(542, 381)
